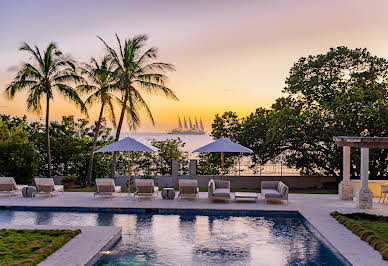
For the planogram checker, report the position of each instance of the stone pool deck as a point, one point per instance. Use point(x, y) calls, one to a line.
point(315, 208)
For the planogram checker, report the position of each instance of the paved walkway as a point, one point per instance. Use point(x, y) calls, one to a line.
point(315, 207)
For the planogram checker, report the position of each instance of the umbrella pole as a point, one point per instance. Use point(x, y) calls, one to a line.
point(222, 163)
point(129, 172)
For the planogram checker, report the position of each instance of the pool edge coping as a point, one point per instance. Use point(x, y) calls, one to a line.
point(183, 211)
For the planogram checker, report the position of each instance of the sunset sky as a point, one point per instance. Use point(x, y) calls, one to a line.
point(229, 55)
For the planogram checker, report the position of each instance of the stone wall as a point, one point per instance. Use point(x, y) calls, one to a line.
point(253, 182)
point(249, 182)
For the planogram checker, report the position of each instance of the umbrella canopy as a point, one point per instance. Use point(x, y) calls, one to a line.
point(223, 145)
point(127, 144)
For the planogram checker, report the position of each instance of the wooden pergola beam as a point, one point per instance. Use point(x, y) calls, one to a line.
point(362, 142)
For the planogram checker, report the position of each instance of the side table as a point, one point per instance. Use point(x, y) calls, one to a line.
point(29, 192)
point(168, 193)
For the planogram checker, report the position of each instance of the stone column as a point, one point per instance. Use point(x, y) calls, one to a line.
point(364, 195)
point(193, 169)
point(174, 172)
point(345, 189)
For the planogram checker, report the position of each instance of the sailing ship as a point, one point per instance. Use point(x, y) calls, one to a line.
point(190, 129)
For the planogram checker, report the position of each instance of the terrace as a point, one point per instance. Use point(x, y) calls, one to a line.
point(315, 208)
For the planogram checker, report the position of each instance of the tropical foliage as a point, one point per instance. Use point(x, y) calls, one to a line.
point(137, 71)
point(47, 73)
point(18, 156)
point(102, 85)
point(341, 93)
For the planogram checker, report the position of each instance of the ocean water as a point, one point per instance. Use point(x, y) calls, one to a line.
point(192, 141)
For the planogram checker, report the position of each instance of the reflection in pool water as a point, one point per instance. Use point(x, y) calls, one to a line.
point(196, 240)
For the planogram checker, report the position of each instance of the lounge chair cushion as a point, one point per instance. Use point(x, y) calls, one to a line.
point(188, 187)
point(282, 188)
point(222, 192)
point(270, 184)
point(44, 184)
point(276, 190)
point(105, 185)
point(8, 184)
point(221, 184)
point(145, 186)
point(58, 188)
point(211, 186)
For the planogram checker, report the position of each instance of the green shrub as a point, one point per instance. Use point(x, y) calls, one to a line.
point(371, 238)
point(384, 253)
point(366, 234)
point(356, 228)
point(378, 245)
point(69, 178)
point(351, 221)
point(341, 219)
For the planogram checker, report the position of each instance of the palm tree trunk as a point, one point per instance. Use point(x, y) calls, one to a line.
point(48, 136)
point(90, 168)
point(113, 165)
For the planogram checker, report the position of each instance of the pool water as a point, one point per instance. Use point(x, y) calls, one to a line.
point(154, 239)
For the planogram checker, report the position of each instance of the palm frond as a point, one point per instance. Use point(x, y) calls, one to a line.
point(72, 95)
point(111, 113)
point(154, 88)
point(34, 99)
point(141, 103)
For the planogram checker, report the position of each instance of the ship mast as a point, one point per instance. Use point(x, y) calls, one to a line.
point(184, 118)
point(201, 125)
point(196, 123)
point(191, 125)
point(180, 123)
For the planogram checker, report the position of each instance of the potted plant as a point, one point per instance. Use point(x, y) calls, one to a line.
point(69, 181)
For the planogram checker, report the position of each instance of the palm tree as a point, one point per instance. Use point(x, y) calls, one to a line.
point(137, 70)
point(52, 71)
point(103, 81)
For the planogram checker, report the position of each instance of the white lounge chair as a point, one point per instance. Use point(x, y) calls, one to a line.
point(106, 186)
point(145, 188)
point(46, 186)
point(8, 186)
point(274, 190)
point(219, 190)
point(188, 188)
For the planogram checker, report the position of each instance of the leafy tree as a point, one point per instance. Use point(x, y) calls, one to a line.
point(48, 72)
point(209, 163)
point(168, 150)
point(18, 157)
point(136, 70)
point(342, 92)
point(248, 131)
point(72, 141)
point(102, 84)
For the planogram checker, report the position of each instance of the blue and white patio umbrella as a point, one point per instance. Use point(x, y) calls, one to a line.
point(128, 144)
point(223, 145)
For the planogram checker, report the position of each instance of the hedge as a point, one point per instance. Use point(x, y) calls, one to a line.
point(366, 235)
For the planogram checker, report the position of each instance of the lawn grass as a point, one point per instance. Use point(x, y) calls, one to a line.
point(370, 228)
point(29, 247)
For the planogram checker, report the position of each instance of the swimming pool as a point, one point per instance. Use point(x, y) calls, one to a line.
point(198, 238)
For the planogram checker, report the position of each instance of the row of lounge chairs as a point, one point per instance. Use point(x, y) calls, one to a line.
point(43, 186)
point(217, 189)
